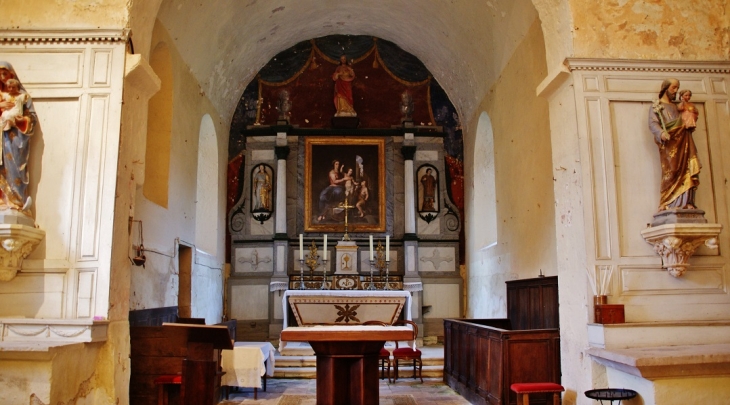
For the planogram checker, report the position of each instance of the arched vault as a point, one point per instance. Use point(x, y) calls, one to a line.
point(464, 44)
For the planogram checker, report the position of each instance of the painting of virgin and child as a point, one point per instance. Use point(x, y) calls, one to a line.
point(344, 175)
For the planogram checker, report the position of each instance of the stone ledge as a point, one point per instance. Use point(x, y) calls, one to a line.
point(667, 361)
point(655, 334)
point(52, 331)
point(33, 350)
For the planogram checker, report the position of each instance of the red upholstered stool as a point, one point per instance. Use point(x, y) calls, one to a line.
point(524, 390)
point(162, 382)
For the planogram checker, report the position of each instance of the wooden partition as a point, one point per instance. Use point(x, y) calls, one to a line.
point(483, 357)
point(155, 352)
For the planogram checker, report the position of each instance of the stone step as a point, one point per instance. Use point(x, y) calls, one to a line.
point(304, 366)
point(433, 371)
point(653, 334)
point(311, 361)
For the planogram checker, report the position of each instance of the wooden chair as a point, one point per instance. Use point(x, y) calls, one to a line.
point(384, 356)
point(408, 353)
point(524, 390)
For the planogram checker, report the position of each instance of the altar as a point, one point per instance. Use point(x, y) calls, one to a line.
point(348, 307)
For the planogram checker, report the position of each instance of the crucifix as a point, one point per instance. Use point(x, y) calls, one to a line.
point(346, 206)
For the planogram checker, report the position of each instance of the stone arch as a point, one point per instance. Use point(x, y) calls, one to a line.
point(159, 129)
point(206, 195)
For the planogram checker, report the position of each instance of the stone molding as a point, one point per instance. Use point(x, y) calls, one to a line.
point(52, 330)
point(58, 36)
point(636, 65)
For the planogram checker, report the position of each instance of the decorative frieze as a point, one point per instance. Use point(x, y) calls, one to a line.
point(76, 36)
point(629, 65)
point(52, 330)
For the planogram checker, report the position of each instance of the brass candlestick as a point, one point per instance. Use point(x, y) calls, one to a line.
point(312, 260)
point(382, 264)
point(301, 274)
point(324, 275)
point(372, 284)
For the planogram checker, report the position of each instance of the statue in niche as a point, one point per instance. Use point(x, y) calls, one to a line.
point(18, 121)
point(428, 182)
point(406, 107)
point(672, 127)
point(262, 190)
point(343, 77)
point(284, 105)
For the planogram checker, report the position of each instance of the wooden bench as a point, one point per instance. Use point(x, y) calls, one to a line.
point(524, 390)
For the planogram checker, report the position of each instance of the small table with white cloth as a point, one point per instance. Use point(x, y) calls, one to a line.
point(246, 364)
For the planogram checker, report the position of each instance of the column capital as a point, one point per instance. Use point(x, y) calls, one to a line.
point(281, 152)
point(408, 152)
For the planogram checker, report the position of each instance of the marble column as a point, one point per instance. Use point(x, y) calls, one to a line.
point(411, 280)
point(282, 152)
point(280, 280)
point(408, 151)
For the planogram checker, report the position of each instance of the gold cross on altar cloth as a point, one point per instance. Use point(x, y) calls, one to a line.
point(346, 207)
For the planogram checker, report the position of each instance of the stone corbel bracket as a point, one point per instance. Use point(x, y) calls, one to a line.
point(17, 241)
point(676, 243)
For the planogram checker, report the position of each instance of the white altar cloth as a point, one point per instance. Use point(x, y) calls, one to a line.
point(344, 294)
point(247, 363)
point(347, 294)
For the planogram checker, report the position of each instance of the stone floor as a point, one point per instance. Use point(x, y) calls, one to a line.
point(430, 392)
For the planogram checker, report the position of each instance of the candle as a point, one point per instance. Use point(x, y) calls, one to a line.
point(324, 253)
point(371, 248)
point(301, 247)
point(387, 248)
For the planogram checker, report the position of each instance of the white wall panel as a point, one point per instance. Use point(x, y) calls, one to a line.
point(51, 171)
point(249, 302)
point(62, 68)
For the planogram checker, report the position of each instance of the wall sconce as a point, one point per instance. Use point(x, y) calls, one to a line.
point(139, 259)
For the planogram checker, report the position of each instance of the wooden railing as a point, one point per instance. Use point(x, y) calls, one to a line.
point(483, 357)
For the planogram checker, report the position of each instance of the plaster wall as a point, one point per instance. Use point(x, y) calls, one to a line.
point(640, 29)
point(523, 184)
point(156, 285)
point(74, 374)
point(51, 14)
point(673, 391)
point(579, 373)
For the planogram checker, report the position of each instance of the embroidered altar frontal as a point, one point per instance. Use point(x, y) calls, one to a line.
point(344, 310)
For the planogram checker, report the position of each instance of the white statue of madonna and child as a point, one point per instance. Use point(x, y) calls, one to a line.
point(18, 122)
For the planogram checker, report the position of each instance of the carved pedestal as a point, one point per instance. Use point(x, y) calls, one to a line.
point(17, 241)
point(676, 243)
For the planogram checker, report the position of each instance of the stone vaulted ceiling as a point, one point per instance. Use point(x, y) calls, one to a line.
point(464, 43)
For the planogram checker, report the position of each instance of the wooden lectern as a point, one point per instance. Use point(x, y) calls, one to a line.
point(347, 359)
point(200, 371)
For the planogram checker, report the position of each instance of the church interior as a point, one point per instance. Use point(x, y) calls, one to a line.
point(539, 183)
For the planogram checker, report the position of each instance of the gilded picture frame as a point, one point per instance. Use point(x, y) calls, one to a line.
point(341, 171)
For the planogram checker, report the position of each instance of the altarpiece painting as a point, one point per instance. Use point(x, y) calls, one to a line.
point(344, 175)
